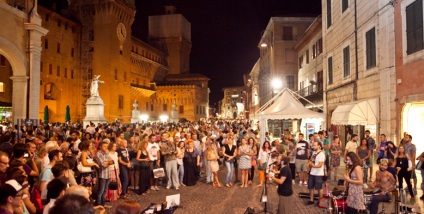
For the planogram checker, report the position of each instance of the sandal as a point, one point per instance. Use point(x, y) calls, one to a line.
point(227, 185)
point(230, 184)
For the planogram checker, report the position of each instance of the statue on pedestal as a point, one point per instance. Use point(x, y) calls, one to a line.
point(135, 113)
point(95, 86)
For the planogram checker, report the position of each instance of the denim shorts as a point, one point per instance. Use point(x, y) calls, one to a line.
point(315, 182)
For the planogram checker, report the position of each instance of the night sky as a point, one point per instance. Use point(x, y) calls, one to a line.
point(225, 33)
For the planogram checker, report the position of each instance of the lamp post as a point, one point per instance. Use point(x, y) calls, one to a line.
point(276, 85)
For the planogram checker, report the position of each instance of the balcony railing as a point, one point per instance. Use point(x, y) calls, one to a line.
point(310, 90)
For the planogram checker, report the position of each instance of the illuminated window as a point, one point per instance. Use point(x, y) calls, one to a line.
point(1, 87)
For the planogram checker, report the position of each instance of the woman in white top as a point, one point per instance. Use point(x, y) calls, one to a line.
point(262, 161)
point(113, 195)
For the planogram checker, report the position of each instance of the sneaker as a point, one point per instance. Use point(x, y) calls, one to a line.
point(136, 187)
point(305, 183)
point(153, 188)
point(156, 188)
point(168, 187)
point(176, 188)
point(300, 183)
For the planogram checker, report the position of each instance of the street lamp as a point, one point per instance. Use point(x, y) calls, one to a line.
point(144, 117)
point(163, 118)
point(276, 84)
point(264, 45)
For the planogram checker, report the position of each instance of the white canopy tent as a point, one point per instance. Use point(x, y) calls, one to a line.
point(284, 106)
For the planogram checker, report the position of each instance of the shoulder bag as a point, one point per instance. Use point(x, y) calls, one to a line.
point(113, 185)
point(85, 169)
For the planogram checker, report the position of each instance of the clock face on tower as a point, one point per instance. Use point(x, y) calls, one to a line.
point(121, 32)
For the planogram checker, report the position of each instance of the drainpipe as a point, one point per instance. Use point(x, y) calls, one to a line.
point(355, 85)
point(29, 58)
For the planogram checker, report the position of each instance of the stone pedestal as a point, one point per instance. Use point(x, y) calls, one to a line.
point(174, 114)
point(95, 111)
point(135, 116)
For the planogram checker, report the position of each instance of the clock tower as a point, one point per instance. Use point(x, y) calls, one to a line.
point(172, 32)
point(106, 51)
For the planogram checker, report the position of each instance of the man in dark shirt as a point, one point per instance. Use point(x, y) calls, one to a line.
point(124, 166)
point(285, 190)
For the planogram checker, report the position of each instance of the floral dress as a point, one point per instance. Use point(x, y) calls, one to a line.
point(355, 199)
point(335, 159)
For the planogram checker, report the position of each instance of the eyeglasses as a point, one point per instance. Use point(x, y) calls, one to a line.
point(5, 163)
point(19, 195)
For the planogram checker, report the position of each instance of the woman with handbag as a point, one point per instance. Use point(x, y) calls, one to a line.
point(230, 151)
point(85, 167)
point(113, 195)
point(145, 172)
point(262, 159)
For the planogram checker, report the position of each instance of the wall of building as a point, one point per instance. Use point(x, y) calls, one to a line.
point(376, 81)
point(60, 67)
point(409, 76)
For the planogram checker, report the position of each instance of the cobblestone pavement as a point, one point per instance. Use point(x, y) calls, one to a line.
point(202, 198)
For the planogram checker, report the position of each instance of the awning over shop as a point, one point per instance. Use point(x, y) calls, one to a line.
point(364, 112)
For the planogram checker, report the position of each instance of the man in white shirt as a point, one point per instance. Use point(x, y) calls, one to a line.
point(316, 175)
point(352, 145)
point(154, 155)
point(76, 141)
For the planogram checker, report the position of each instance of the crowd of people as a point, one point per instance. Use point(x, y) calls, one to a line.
point(42, 166)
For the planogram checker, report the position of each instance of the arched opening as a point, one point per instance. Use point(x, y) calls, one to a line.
point(5, 90)
point(15, 68)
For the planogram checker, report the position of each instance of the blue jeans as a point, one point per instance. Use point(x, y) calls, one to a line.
point(101, 193)
point(230, 172)
point(123, 175)
point(181, 172)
